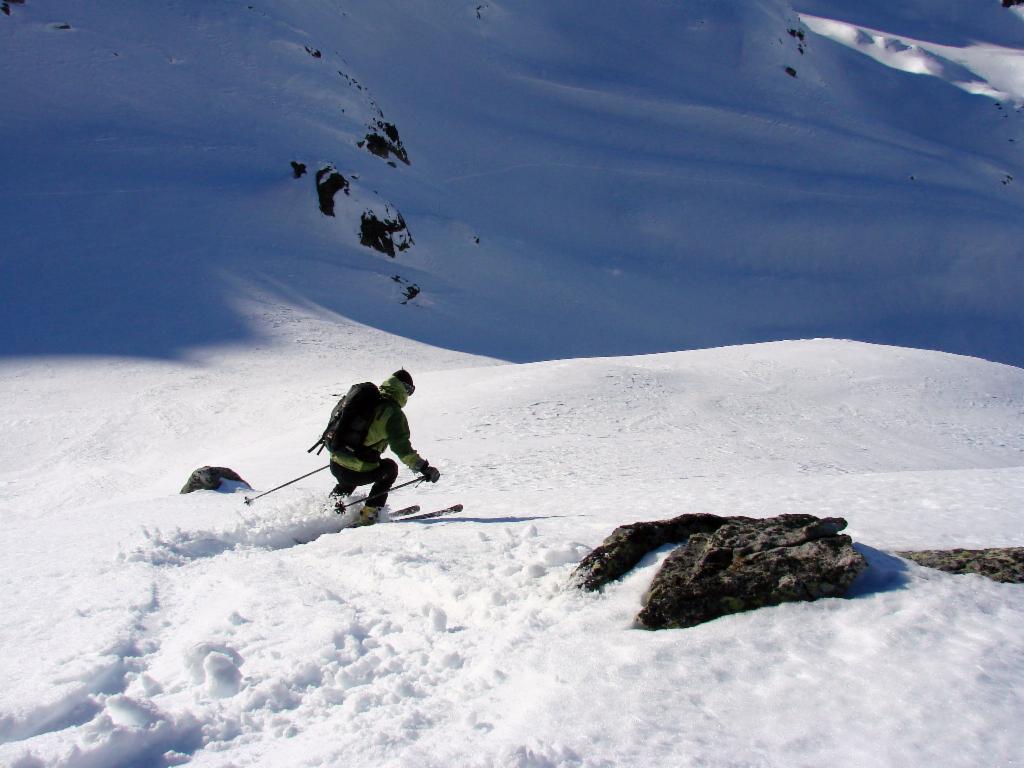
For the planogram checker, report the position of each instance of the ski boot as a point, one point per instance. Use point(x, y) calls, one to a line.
point(367, 516)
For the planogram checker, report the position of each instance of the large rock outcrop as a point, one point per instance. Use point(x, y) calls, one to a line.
point(384, 234)
point(328, 183)
point(751, 564)
point(383, 141)
point(727, 564)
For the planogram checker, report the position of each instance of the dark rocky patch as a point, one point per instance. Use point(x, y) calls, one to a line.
point(1011, 3)
point(384, 234)
point(800, 37)
point(790, 71)
point(383, 141)
point(410, 290)
point(298, 169)
point(5, 7)
point(328, 183)
point(727, 564)
point(210, 479)
point(351, 81)
point(1004, 564)
point(313, 52)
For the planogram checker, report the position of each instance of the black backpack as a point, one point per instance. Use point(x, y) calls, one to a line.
point(350, 420)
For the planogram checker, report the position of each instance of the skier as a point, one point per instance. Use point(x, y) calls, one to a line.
point(353, 466)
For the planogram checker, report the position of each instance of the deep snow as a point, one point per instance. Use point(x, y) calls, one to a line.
point(143, 627)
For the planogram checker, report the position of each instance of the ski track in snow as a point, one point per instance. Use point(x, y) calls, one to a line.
point(300, 522)
point(195, 641)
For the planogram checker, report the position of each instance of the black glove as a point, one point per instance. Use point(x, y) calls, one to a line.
point(429, 473)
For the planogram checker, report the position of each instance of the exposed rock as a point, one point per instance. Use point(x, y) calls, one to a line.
point(298, 169)
point(748, 564)
point(328, 183)
point(210, 478)
point(315, 53)
point(790, 71)
point(728, 564)
point(1004, 564)
point(383, 141)
point(1011, 3)
point(409, 290)
point(384, 235)
point(800, 37)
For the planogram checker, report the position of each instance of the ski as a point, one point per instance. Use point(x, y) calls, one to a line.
point(404, 512)
point(429, 515)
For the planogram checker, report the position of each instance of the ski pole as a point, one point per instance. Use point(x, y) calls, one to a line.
point(342, 507)
point(250, 500)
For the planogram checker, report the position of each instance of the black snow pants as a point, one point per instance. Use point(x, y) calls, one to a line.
point(383, 477)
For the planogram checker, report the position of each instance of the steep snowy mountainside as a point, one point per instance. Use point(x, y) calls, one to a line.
point(584, 179)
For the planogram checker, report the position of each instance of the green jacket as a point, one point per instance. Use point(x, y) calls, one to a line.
point(389, 428)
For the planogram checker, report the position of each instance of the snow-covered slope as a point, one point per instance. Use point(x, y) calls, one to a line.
point(146, 628)
point(643, 177)
point(585, 178)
